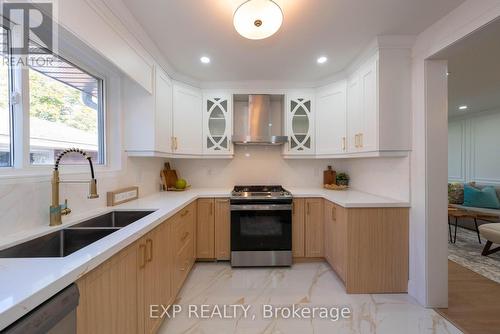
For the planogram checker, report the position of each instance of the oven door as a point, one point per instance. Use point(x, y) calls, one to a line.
point(261, 227)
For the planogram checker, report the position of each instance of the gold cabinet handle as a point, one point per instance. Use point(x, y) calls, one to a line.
point(343, 143)
point(308, 208)
point(184, 213)
point(211, 208)
point(185, 264)
point(142, 256)
point(149, 250)
point(172, 143)
point(176, 143)
point(360, 140)
point(186, 234)
point(334, 213)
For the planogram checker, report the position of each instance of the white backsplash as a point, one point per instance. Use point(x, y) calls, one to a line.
point(387, 177)
point(252, 165)
point(24, 205)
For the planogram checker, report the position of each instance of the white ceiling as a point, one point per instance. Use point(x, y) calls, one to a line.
point(185, 30)
point(474, 66)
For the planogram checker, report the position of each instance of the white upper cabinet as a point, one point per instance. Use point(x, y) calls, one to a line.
point(299, 125)
point(368, 138)
point(217, 124)
point(148, 118)
point(164, 109)
point(371, 110)
point(331, 119)
point(187, 120)
point(362, 108)
point(379, 105)
point(354, 113)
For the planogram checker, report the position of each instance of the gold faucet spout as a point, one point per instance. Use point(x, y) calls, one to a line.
point(93, 189)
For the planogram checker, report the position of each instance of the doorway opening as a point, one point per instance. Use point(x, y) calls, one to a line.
point(472, 71)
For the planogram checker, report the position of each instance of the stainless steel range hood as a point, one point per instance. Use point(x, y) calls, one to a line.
point(260, 123)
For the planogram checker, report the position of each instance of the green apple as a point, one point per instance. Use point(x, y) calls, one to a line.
point(180, 184)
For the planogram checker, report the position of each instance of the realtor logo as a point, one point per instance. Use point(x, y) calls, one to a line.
point(30, 24)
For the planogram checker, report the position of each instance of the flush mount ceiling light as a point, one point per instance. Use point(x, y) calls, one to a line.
point(322, 60)
point(463, 107)
point(258, 19)
point(205, 60)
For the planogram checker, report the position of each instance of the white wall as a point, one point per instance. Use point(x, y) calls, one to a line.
point(473, 140)
point(428, 275)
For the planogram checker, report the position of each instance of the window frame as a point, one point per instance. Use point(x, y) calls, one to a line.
point(20, 164)
point(10, 83)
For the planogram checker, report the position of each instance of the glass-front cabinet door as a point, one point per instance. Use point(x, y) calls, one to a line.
point(300, 124)
point(217, 124)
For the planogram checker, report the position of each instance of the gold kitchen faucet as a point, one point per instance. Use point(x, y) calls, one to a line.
point(58, 210)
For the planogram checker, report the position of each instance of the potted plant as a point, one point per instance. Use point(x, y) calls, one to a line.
point(342, 179)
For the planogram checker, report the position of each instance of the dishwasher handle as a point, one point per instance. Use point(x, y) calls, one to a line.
point(49, 314)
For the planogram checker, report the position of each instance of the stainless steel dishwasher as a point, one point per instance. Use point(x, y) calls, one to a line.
point(55, 316)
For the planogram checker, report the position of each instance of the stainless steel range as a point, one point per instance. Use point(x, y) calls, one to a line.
point(261, 226)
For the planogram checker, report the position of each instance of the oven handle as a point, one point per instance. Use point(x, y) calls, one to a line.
point(260, 207)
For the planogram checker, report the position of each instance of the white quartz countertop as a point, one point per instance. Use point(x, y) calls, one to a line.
point(26, 283)
point(349, 198)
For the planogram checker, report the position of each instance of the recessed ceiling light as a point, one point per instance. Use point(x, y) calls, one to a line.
point(322, 60)
point(258, 19)
point(463, 107)
point(205, 60)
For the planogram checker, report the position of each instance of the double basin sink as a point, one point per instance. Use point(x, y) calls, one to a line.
point(66, 241)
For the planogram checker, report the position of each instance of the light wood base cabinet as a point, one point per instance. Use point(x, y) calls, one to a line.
point(298, 228)
point(314, 236)
point(205, 229)
point(183, 240)
point(335, 241)
point(154, 275)
point(116, 296)
point(222, 229)
point(108, 296)
point(368, 248)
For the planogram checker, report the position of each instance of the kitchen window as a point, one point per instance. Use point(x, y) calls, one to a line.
point(65, 110)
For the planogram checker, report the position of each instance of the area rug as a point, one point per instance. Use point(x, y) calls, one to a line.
point(467, 252)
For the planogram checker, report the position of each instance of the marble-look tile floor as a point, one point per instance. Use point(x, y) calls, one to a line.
point(306, 285)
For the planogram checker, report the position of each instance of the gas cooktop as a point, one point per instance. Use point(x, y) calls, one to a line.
point(260, 192)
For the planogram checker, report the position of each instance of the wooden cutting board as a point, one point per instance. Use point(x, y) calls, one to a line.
point(170, 177)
